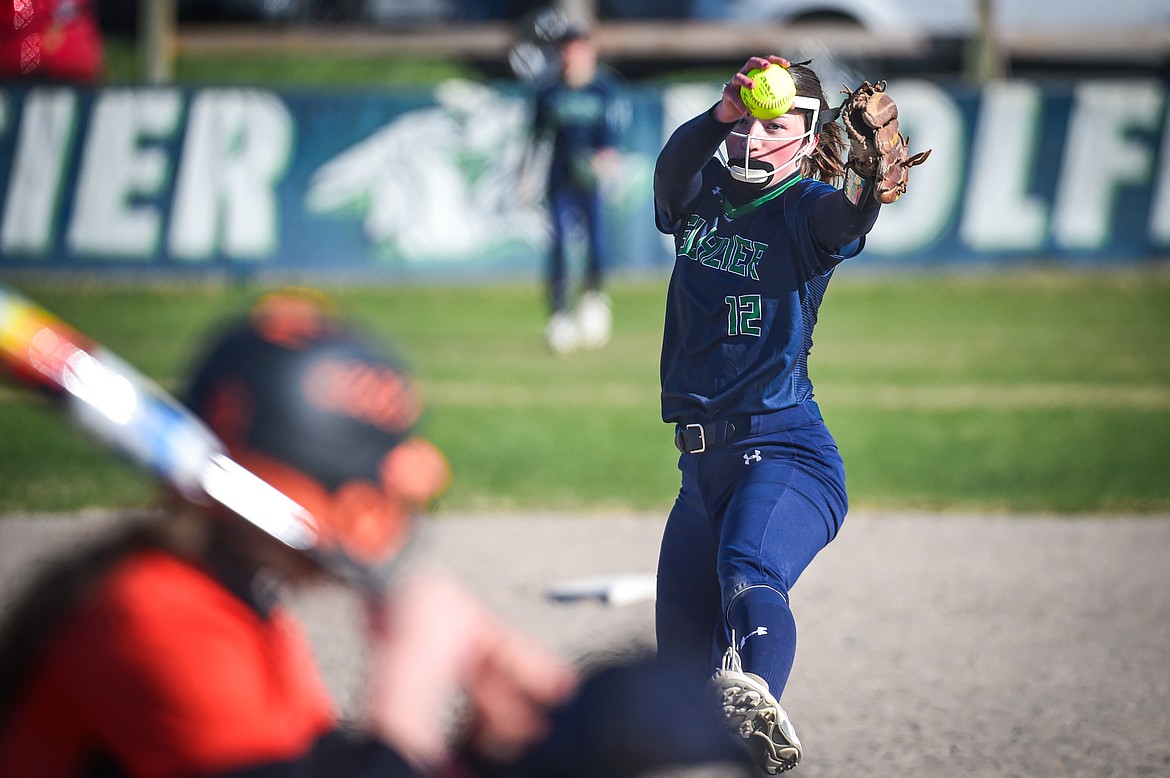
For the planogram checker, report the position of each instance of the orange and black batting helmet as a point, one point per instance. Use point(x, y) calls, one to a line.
point(326, 415)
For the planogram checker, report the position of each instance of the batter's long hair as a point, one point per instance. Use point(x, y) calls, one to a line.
point(827, 162)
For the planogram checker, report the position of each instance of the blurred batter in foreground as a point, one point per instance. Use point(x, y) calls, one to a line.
point(168, 649)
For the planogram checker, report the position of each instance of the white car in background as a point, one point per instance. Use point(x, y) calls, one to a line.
point(942, 18)
point(1054, 36)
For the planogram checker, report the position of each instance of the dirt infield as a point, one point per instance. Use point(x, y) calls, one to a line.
point(929, 645)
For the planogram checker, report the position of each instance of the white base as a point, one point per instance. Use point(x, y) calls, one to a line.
point(614, 590)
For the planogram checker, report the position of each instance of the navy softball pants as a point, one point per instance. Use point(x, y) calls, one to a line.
point(571, 205)
point(749, 518)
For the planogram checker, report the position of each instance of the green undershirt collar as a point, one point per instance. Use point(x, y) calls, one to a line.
point(734, 212)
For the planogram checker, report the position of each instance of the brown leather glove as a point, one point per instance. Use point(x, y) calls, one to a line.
point(877, 150)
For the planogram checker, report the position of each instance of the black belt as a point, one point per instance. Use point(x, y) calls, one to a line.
point(696, 438)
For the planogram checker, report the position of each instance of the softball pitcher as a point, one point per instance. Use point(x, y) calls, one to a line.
point(758, 227)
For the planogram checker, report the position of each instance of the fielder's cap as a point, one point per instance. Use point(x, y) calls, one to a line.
point(324, 414)
point(573, 31)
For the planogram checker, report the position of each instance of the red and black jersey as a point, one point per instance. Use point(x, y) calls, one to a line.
point(164, 671)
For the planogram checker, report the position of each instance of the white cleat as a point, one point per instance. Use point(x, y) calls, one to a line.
point(756, 716)
point(562, 334)
point(594, 320)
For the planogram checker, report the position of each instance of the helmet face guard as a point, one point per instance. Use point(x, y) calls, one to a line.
point(742, 169)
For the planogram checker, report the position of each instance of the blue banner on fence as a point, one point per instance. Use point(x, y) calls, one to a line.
point(425, 184)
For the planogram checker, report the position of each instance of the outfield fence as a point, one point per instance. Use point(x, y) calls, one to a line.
point(434, 184)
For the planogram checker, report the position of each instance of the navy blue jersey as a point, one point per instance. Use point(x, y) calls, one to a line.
point(743, 299)
point(580, 122)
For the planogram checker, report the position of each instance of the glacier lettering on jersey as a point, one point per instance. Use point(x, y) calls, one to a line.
point(729, 253)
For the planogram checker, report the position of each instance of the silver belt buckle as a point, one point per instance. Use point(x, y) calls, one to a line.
point(702, 438)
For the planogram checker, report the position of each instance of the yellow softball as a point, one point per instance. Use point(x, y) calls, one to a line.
point(772, 92)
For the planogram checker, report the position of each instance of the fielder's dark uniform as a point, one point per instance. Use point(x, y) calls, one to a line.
point(763, 486)
point(581, 122)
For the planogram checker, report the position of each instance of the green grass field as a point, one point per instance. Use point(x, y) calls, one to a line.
point(1026, 392)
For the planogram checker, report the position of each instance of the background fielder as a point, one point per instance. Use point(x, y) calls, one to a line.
point(582, 112)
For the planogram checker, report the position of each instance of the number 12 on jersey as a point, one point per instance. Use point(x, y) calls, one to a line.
point(745, 314)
